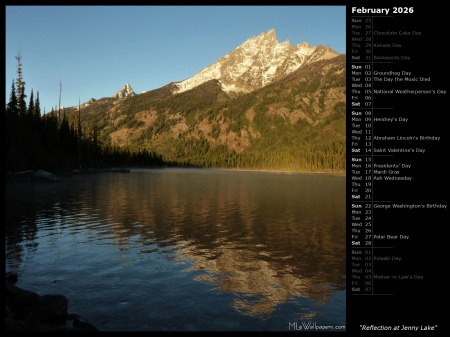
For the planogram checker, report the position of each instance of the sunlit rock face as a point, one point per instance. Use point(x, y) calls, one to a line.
point(257, 62)
point(126, 91)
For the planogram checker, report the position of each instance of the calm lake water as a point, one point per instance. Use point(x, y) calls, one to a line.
point(184, 249)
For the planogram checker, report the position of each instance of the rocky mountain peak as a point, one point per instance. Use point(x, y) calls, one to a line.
point(126, 91)
point(256, 63)
point(269, 36)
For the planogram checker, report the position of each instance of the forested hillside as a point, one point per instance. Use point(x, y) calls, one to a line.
point(296, 123)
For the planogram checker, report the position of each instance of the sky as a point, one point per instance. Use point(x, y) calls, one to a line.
point(80, 52)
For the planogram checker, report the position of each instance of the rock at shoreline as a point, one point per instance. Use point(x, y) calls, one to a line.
point(45, 176)
point(39, 175)
point(28, 311)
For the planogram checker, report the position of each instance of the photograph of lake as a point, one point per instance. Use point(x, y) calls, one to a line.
point(185, 249)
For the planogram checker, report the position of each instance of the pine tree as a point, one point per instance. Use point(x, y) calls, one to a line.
point(20, 87)
point(11, 118)
point(30, 110)
point(37, 109)
point(11, 107)
point(21, 102)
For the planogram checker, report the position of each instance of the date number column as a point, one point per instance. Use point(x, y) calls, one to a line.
point(360, 133)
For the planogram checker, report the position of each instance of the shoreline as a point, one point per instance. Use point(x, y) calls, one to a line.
point(283, 171)
point(42, 175)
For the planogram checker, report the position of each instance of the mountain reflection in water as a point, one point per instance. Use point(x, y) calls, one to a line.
point(265, 239)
